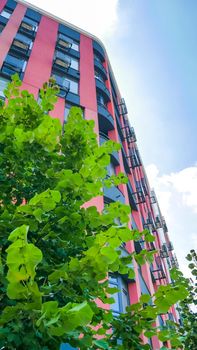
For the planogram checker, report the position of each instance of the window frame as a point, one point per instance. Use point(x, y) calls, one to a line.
point(123, 287)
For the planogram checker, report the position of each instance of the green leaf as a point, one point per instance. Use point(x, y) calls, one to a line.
point(101, 344)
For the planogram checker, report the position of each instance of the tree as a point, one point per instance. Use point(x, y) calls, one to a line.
point(187, 307)
point(56, 254)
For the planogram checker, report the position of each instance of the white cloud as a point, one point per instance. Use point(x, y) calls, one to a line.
point(177, 196)
point(97, 17)
point(183, 183)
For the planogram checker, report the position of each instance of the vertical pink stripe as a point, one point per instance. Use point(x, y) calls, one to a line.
point(10, 31)
point(58, 111)
point(39, 65)
point(2, 4)
point(87, 81)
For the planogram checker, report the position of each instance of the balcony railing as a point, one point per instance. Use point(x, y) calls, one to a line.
point(61, 62)
point(164, 251)
point(64, 43)
point(103, 89)
point(106, 121)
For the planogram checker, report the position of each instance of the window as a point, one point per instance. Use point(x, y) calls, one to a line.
point(66, 111)
point(67, 83)
point(98, 58)
point(66, 43)
point(21, 43)
point(29, 25)
point(24, 39)
point(6, 13)
point(73, 85)
point(3, 85)
point(63, 59)
point(121, 298)
point(99, 77)
point(2, 26)
point(13, 64)
point(111, 169)
point(101, 100)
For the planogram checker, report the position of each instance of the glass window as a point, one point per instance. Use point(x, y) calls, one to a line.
point(2, 26)
point(73, 85)
point(6, 13)
point(101, 100)
point(99, 77)
point(125, 296)
point(66, 111)
point(16, 62)
point(3, 85)
point(74, 63)
point(67, 43)
point(98, 58)
point(111, 169)
point(63, 81)
point(29, 24)
point(121, 298)
point(24, 39)
point(75, 46)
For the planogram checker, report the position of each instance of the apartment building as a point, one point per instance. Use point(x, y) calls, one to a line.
point(37, 45)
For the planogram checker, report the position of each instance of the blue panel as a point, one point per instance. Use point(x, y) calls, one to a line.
point(73, 98)
point(66, 346)
point(3, 20)
point(33, 15)
point(106, 121)
point(69, 31)
point(113, 194)
point(143, 286)
point(11, 4)
point(99, 49)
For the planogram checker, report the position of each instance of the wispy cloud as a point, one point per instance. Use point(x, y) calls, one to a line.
point(177, 195)
point(97, 17)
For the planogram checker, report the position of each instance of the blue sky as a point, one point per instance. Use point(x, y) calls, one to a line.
point(153, 52)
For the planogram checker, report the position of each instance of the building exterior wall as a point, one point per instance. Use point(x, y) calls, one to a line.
point(101, 101)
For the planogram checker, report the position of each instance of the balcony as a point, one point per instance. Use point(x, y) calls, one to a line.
point(153, 198)
point(129, 133)
point(64, 89)
point(170, 246)
point(125, 254)
point(125, 161)
point(99, 50)
point(133, 160)
point(113, 194)
point(131, 196)
point(165, 228)
point(3, 20)
point(164, 251)
point(64, 43)
point(27, 28)
point(61, 62)
point(158, 271)
point(139, 245)
point(20, 48)
point(138, 196)
point(106, 121)
point(9, 69)
point(158, 223)
point(115, 157)
point(123, 107)
point(100, 86)
point(100, 68)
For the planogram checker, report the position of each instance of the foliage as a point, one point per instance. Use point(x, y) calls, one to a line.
point(55, 253)
point(187, 307)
